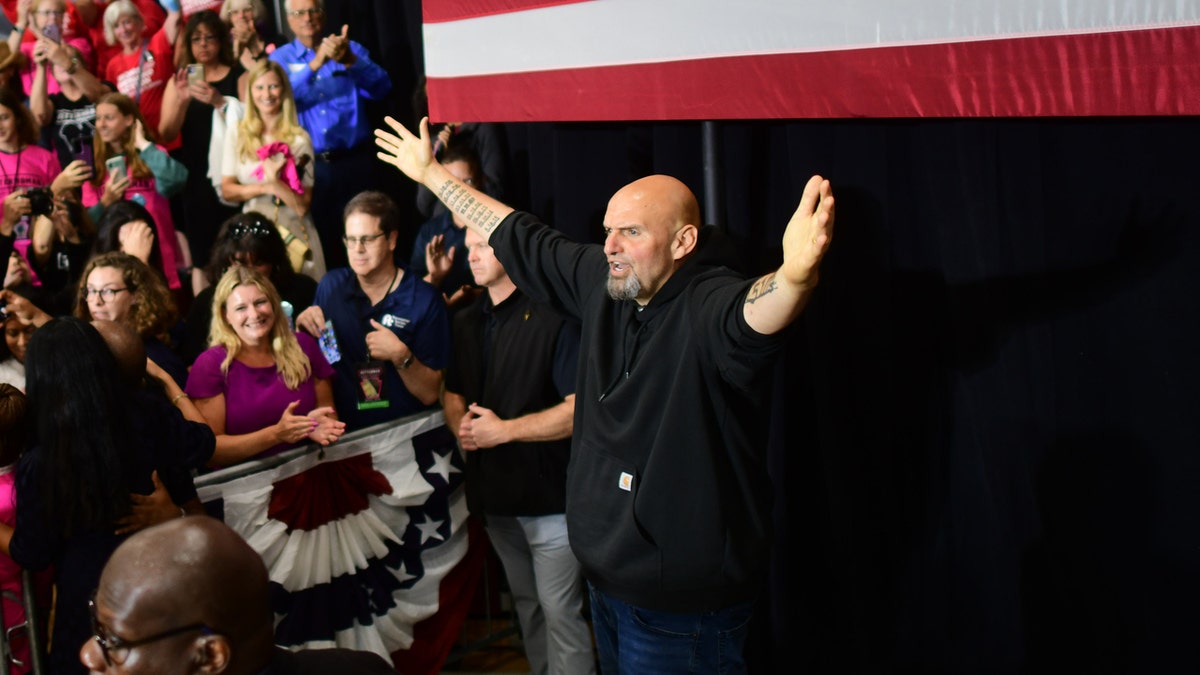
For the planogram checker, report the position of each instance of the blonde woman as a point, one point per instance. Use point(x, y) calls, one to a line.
point(261, 387)
point(268, 163)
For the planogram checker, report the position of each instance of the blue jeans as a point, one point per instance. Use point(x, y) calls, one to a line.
point(632, 641)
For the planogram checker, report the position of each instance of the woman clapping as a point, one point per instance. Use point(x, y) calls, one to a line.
point(262, 387)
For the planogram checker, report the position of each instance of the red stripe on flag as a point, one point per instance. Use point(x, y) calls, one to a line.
point(1149, 72)
point(455, 10)
point(326, 492)
point(434, 638)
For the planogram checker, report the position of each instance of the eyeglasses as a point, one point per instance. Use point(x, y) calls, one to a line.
point(105, 294)
point(116, 650)
point(364, 241)
point(256, 229)
point(300, 13)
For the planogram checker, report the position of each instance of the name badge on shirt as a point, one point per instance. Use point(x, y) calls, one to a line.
point(370, 385)
point(296, 67)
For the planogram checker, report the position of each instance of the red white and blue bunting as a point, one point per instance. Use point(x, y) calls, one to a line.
point(365, 541)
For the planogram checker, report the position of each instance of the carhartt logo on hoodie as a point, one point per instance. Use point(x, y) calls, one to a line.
point(625, 482)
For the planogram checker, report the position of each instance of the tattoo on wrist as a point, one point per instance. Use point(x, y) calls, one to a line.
point(763, 286)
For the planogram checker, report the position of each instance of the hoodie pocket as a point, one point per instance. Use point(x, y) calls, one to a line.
point(604, 531)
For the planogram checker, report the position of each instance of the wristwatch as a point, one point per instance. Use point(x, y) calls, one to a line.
point(74, 65)
point(406, 363)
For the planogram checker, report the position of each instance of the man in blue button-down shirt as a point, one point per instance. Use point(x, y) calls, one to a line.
point(330, 77)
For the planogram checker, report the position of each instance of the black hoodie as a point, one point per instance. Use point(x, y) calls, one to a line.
point(668, 499)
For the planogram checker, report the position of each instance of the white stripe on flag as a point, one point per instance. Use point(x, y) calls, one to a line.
point(620, 32)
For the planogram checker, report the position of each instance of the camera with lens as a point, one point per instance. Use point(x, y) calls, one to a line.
point(41, 201)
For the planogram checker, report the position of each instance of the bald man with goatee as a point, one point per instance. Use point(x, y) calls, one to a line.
point(668, 498)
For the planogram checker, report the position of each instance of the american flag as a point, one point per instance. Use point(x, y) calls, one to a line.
point(573, 60)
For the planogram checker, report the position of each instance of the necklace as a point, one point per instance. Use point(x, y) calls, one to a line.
point(386, 291)
point(11, 179)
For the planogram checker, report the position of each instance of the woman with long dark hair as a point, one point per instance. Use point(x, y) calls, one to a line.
point(85, 458)
point(192, 100)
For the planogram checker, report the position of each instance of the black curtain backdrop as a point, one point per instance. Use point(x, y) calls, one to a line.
point(985, 448)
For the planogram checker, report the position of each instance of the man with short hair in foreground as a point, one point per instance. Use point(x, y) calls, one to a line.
point(191, 596)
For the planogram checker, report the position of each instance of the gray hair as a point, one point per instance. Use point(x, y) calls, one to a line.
point(260, 10)
point(114, 13)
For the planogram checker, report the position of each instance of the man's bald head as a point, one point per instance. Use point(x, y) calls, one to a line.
point(192, 570)
point(652, 227)
point(127, 347)
point(661, 199)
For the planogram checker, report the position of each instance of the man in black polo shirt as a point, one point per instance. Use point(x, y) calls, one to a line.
point(510, 399)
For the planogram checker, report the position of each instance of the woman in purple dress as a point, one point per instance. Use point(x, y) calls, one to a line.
point(262, 387)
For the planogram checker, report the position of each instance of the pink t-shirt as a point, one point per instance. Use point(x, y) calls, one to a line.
point(145, 191)
point(10, 571)
point(32, 167)
point(29, 69)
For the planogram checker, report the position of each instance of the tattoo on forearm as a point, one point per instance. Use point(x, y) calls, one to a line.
point(763, 286)
point(457, 199)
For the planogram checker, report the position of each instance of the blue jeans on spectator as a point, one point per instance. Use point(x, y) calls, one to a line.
point(631, 640)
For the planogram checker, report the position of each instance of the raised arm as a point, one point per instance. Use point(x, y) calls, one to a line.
point(776, 299)
point(174, 107)
point(39, 100)
point(19, 27)
point(413, 155)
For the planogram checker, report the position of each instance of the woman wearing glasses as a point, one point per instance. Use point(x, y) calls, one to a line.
point(252, 240)
point(119, 287)
point(47, 25)
point(268, 163)
point(93, 450)
point(207, 77)
point(262, 387)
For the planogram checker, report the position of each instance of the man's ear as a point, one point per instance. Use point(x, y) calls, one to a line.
point(213, 654)
point(684, 242)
